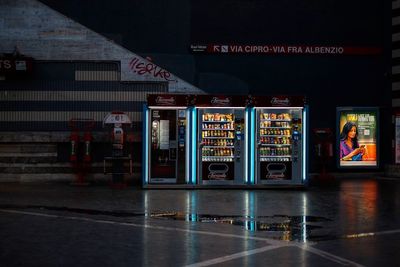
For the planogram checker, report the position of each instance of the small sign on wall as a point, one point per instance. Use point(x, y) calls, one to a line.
point(15, 65)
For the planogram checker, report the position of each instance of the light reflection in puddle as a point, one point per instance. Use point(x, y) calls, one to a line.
point(283, 227)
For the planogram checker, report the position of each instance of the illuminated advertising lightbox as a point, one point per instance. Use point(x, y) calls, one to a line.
point(357, 137)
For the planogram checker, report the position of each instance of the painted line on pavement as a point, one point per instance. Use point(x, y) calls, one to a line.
point(268, 240)
point(233, 256)
point(273, 243)
point(30, 213)
point(329, 256)
point(321, 253)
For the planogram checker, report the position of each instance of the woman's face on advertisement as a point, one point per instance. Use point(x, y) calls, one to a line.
point(352, 132)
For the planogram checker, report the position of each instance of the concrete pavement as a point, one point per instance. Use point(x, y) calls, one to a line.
point(355, 222)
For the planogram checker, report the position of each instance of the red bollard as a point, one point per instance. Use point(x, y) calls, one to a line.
point(74, 141)
point(81, 157)
point(87, 139)
point(75, 160)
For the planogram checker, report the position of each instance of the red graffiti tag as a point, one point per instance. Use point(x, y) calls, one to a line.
point(142, 67)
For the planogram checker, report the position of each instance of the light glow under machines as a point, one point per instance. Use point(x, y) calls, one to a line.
point(188, 147)
point(221, 145)
point(193, 145)
point(247, 129)
point(305, 142)
point(280, 145)
point(252, 151)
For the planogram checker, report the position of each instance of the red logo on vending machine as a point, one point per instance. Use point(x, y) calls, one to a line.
point(166, 100)
point(280, 101)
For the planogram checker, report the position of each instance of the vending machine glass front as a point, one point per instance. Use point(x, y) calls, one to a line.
point(279, 148)
point(221, 145)
point(163, 145)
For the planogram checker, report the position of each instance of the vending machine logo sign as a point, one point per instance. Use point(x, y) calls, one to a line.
point(218, 171)
point(166, 100)
point(276, 170)
point(220, 101)
point(281, 102)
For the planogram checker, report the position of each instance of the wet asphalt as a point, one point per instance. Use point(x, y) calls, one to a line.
point(351, 223)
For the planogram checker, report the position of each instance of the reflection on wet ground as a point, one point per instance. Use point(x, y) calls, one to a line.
point(353, 210)
point(282, 227)
point(355, 222)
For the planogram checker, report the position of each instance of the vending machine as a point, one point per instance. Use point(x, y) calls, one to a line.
point(165, 142)
point(280, 140)
point(221, 140)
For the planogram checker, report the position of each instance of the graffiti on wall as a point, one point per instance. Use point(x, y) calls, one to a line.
point(136, 68)
point(143, 67)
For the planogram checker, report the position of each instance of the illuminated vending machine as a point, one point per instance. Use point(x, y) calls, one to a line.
point(165, 139)
point(279, 142)
point(221, 140)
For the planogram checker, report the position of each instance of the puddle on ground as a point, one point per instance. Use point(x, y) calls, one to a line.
point(283, 227)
